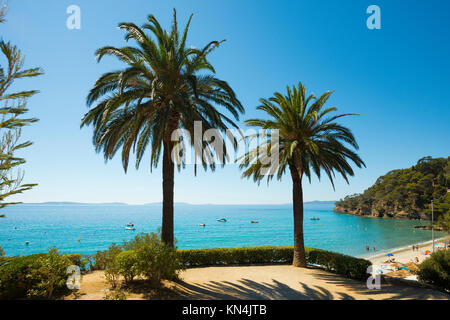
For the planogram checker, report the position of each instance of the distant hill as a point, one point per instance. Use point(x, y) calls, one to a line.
point(70, 203)
point(405, 193)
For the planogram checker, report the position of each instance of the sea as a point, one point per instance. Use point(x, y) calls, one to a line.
point(87, 228)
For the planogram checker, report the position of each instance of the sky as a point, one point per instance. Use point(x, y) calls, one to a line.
point(396, 78)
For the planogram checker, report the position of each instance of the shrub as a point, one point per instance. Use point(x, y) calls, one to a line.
point(225, 256)
point(126, 265)
point(108, 260)
point(436, 270)
point(78, 260)
point(50, 275)
point(34, 276)
point(348, 266)
point(154, 260)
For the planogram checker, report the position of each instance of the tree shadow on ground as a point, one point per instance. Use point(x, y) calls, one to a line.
point(249, 289)
point(151, 291)
point(397, 291)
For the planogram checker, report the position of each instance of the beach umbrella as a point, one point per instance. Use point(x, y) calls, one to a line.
point(389, 255)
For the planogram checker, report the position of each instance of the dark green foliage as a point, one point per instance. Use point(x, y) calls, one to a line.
point(406, 190)
point(347, 266)
point(153, 259)
point(145, 255)
point(126, 263)
point(107, 259)
point(102, 259)
point(436, 270)
point(34, 276)
point(350, 267)
point(441, 211)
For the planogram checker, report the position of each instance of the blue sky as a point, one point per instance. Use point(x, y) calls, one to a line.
point(396, 78)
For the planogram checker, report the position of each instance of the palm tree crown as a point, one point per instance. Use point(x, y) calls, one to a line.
point(309, 139)
point(164, 87)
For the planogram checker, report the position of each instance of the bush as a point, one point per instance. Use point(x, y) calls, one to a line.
point(126, 265)
point(108, 260)
point(436, 270)
point(78, 260)
point(34, 276)
point(51, 275)
point(226, 256)
point(154, 260)
point(348, 266)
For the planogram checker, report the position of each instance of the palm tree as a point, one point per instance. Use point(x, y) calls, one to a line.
point(164, 87)
point(309, 141)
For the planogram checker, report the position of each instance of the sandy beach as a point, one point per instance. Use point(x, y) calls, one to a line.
point(406, 254)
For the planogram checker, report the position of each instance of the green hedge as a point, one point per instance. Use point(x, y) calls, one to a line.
point(347, 266)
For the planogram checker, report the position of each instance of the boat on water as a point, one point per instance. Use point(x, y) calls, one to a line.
point(202, 225)
point(130, 227)
point(254, 221)
point(222, 220)
point(314, 218)
point(2, 215)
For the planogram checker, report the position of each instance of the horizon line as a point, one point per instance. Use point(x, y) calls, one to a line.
point(156, 203)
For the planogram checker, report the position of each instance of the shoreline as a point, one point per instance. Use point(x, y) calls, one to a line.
point(404, 253)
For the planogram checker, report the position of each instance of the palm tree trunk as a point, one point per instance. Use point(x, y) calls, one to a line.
point(168, 182)
point(299, 259)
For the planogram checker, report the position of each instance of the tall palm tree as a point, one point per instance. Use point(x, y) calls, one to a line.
point(309, 142)
point(165, 86)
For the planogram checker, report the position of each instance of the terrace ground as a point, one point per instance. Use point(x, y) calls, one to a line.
point(258, 282)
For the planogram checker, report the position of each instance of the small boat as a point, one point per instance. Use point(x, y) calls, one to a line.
point(130, 228)
point(222, 220)
point(2, 215)
point(254, 221)
point(315, 219)
point(202, 225)
point(27, 243)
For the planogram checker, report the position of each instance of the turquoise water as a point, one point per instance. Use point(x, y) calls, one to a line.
point(46, 226)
